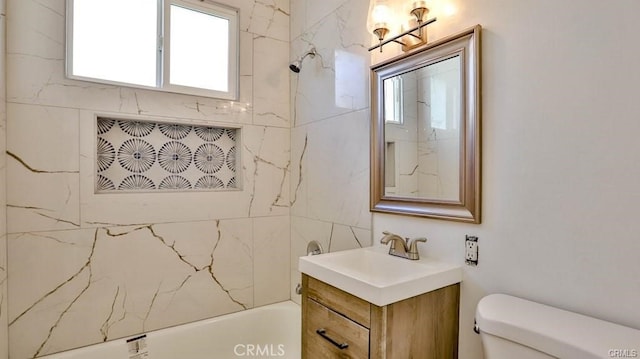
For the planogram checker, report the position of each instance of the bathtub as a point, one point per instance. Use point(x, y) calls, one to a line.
point(272, 331)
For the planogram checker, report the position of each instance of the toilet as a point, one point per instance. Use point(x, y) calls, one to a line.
point(511, 328)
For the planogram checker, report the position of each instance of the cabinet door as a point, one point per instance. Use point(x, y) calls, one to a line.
point(327, 334)
point(337, 300)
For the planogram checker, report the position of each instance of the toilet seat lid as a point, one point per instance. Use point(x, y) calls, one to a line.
point(553, 331)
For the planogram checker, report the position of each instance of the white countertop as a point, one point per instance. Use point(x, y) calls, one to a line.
point(377, 277)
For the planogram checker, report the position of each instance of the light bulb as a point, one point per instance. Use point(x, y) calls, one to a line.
point(381, 15)
point(418, 4)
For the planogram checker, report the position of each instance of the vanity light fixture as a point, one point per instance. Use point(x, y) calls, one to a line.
point(381, 17)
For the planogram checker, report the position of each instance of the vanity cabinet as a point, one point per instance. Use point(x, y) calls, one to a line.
point(336, 324)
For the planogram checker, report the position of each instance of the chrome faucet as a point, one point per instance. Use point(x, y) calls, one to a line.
point(401, 247)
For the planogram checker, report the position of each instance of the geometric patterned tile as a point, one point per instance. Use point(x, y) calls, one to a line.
point(145, 156)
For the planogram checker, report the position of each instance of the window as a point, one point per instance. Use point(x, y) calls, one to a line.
point(169, 45)
point(393, 101)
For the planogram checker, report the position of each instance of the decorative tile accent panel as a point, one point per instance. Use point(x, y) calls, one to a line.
point(141, 156)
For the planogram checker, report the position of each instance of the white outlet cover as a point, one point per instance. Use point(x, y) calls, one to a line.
point(471, 251)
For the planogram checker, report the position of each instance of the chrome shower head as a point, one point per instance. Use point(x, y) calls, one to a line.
point(297, 65)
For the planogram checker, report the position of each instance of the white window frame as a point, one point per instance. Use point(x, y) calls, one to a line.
point(163, 46)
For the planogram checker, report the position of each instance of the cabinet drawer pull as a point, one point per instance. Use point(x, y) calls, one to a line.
point(323, 333)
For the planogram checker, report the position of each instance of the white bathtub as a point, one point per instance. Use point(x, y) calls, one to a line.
point(272, 331)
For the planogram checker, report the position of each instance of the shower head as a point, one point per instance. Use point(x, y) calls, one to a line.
point(297, 65)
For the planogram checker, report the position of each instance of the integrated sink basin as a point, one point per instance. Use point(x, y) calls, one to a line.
point(377, 277)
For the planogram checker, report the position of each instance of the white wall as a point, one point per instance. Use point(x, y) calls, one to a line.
point(86, 267)
point(560, 128)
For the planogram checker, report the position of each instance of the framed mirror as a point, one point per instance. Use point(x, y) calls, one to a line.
point(425, 131)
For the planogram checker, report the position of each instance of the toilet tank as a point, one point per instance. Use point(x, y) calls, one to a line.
point(555, 332)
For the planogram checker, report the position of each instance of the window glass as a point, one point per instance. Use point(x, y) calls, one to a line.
point(183, 46)
point(196, 61)
point(393, 101)
point(116, 40)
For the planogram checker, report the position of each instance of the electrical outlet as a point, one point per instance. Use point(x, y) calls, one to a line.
point(471, 250)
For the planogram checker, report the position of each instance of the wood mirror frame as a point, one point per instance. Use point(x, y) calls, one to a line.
point(467, 208)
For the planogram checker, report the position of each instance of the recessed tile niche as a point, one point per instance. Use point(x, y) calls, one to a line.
point(144, 156)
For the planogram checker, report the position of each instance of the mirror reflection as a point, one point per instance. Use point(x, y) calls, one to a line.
point(422, 115)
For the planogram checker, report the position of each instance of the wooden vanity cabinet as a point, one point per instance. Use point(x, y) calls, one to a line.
point(336, 324)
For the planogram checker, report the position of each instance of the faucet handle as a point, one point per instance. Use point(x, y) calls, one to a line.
point(388, 236)
point(387, 233)
point(413, 244)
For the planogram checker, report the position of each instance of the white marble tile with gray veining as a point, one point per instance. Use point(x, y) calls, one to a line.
point(119, 264)
point(336, 80)
point(272, 247)
point(309, 12)
point(271, 83)
point(116, 282)
point(332, 237)
point(268, 18)
point(267, 170)
point(42, 168)
point(336, 166)
point(299, 170)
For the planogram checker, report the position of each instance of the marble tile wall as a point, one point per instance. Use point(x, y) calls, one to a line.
point(438, 140)
point(4, 353)
point(87, 267)
point(330, 128)
point(405, 139)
